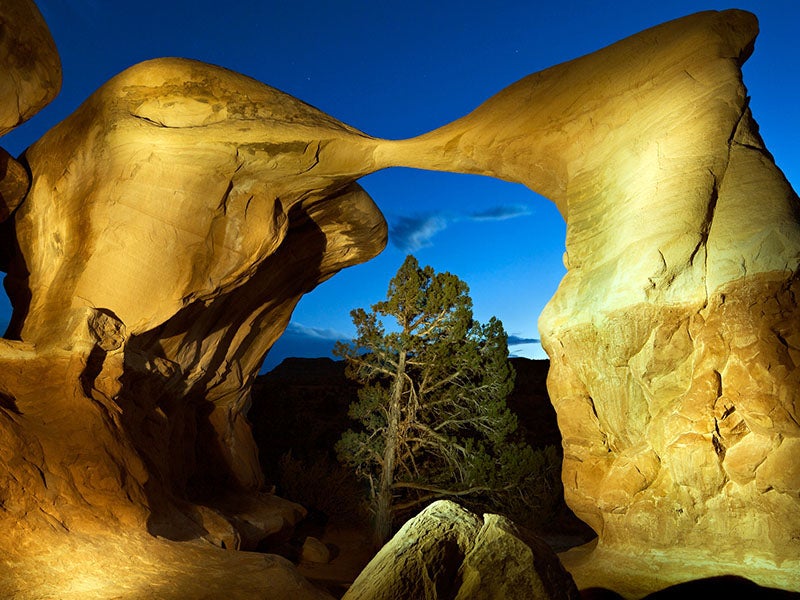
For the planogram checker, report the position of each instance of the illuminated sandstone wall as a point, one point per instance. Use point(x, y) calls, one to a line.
point(170, 225)
point(674, 337)
point(173, 222)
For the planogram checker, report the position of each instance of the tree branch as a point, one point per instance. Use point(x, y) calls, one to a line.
point(439, 493)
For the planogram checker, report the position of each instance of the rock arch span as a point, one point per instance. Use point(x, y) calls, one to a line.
point(158, 239)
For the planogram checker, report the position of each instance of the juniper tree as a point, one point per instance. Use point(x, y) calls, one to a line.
point(432, 415)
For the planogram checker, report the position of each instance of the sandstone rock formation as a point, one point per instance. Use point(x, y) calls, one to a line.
point(30, 77)
point(674, 338)
point(170, 225)
point(82, 566)
point(161, 273)
point(448, 552)
point(30, 68)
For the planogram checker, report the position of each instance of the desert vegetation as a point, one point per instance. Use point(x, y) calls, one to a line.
point(423, 408)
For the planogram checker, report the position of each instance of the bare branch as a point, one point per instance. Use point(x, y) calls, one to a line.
point(437, 493)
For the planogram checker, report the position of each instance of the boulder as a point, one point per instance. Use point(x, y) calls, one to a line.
point(314, 551)
point(30, 68)
point(448, 552)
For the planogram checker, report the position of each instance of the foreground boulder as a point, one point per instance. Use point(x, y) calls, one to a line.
point(448, 552)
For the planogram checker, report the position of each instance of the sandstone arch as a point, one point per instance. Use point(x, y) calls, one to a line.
point(174, 220)
point(674, 336)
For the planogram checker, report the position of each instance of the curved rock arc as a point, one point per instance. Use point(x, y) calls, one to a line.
point(176, 218)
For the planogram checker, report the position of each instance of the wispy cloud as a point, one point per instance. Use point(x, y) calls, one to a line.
point(410, 233)
point(514, 340)
point(501, 213)
point(315, 333)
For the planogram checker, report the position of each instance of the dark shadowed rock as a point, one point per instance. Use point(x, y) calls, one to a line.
point(300, 406)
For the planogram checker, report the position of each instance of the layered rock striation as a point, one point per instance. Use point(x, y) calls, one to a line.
point(173, 222)
point(674, 337)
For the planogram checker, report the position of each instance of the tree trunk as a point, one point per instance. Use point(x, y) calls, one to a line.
point(383, 501)
point(382, 527)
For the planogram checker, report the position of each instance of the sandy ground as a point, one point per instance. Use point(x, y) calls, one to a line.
point(351, 550)
point(136, 567)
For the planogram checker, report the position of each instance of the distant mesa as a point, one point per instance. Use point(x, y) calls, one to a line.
point(158, 239)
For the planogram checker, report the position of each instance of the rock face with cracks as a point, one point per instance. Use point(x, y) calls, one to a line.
point(158, 239)
point(674, 337)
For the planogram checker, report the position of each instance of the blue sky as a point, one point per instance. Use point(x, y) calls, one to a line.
point(399, 69)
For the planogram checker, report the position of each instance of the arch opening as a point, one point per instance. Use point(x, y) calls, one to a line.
point(504, 240)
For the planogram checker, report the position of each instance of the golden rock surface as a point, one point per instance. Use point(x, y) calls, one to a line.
point(173, 222)
point(30, 77)
point(176, 218)
point(446, 551)
point(674, 337)
point(30, 68)
point(132, 566)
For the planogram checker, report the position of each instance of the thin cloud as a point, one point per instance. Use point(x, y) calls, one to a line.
point(314, 333)
point(501, 213)
point(411, 233)
point(301, 341)
point(514, 340)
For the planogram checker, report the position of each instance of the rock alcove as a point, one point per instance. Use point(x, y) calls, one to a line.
point(157, 240)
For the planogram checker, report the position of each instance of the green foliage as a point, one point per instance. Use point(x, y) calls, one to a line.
point(432, 416)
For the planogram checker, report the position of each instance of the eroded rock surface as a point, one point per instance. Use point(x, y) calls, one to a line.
point(30, 77)
point(674, 337)
point(173, 222)
point(30, 68)
point(175, 219)
point(448, 552)
point(133, 566)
